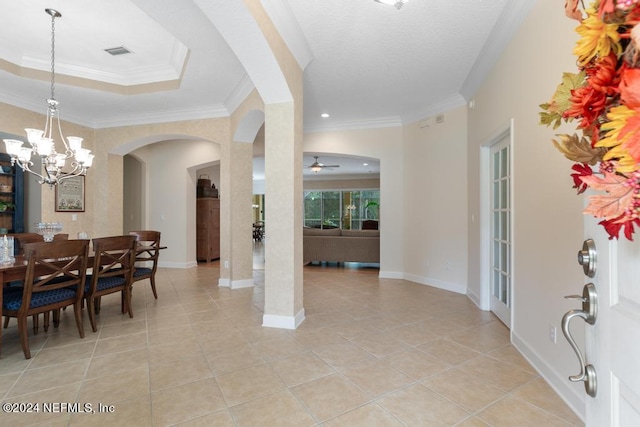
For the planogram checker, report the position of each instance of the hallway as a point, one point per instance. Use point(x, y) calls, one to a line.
point(371, 351)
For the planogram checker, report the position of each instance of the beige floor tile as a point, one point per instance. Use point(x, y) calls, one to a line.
point(365, 416)
point(248, 384)
point(6, 382)
point(175, 351)
point(448, 351)
point(68, 353)
point(540, 394)
point(186, 402)
point(119, 344)
point(131, 326)
point(380, 345)
point(279, 348)
point(135, 411)
point(234, 359)
point(343, 356)
point(320, 337)
point(377, 378)
point(509, 354)
point(505, 377)
point(330, 396)
point(464, 390)
point(510, 412)
point(392, 338)
point(216, 419)
point(118, 363)
point(280, 409)
point(301, 368)
point(179, 372)
point(473, 422)
point(419, 406)
point(34, 380)
point(482, 338)
point(65, 393)
point(111, 389)
point(414, 334)
point(416, 364)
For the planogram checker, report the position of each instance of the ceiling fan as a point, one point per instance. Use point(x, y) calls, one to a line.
point(317, 166)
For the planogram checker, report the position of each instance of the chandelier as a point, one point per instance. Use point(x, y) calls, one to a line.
point(396, 3)
point(42, 141)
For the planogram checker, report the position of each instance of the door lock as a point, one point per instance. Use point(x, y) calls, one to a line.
point(587, 257)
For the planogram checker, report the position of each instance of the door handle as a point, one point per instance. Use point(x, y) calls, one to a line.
point(589, 314)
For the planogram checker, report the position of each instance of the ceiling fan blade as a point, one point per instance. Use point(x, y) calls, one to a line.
point(329, 166)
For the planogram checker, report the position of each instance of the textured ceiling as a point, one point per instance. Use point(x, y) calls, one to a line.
point(367, 64)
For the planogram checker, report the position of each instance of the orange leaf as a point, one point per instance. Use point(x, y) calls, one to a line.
point(619, 196)
point(632, 143)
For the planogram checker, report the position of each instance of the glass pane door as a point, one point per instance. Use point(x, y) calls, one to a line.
point(501, 230)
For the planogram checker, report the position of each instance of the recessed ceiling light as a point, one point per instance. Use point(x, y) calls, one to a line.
point(324, 115)
point(365, 164)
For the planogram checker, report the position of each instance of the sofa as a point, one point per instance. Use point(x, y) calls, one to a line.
point(337, 245)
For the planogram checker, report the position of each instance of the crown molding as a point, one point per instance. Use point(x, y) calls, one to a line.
point(448, 104)
point(192, 113)
point(289, 29)
point(383, 122)
point(243, 88)
point(131, 77)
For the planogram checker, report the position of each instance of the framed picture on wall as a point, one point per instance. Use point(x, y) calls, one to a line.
point(70, 195)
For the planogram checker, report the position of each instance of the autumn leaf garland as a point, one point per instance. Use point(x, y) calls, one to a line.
point(604, 98)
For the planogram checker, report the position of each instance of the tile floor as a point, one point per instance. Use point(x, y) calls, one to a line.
point(370, 352)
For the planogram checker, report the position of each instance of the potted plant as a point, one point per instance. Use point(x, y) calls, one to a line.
point(6, 205)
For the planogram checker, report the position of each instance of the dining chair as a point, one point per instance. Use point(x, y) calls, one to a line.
point(21, 239)
point(55, 278)
point(112, 272)
point(147, 256)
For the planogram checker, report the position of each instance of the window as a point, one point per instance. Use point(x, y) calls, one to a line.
point(340, 209)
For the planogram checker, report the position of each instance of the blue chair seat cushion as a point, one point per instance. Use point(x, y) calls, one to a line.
point(142, 271)
point(105, 282)
point(13, 300)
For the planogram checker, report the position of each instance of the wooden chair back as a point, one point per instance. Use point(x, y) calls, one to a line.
point(111, 272)
point(147, 255)
point(55, 278)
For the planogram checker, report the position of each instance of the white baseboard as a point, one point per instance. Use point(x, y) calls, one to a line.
point(390, 275)
point(188, 264)
point(224, 283)
point(566, 390)
point(239, 284)
point(283, 322)
point(475, 298)
point(440, 284)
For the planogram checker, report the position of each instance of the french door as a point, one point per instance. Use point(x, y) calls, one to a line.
point(500, 234)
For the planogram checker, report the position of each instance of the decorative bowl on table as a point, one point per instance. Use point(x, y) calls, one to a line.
point(48, 229)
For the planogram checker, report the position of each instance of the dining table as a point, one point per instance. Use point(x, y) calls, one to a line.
point(17, 270)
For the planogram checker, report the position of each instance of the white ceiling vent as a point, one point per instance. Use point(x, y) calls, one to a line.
point(120, 50)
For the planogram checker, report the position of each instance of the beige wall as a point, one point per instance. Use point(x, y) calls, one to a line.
point(547, 213)
point(435, 209)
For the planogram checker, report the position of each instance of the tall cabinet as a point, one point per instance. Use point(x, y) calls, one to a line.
point(11, 196)
point(207, 228)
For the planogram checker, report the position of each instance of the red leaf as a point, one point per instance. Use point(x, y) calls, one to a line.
point(582, 170)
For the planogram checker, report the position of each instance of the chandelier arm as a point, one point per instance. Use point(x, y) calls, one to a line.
point(27, 168)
